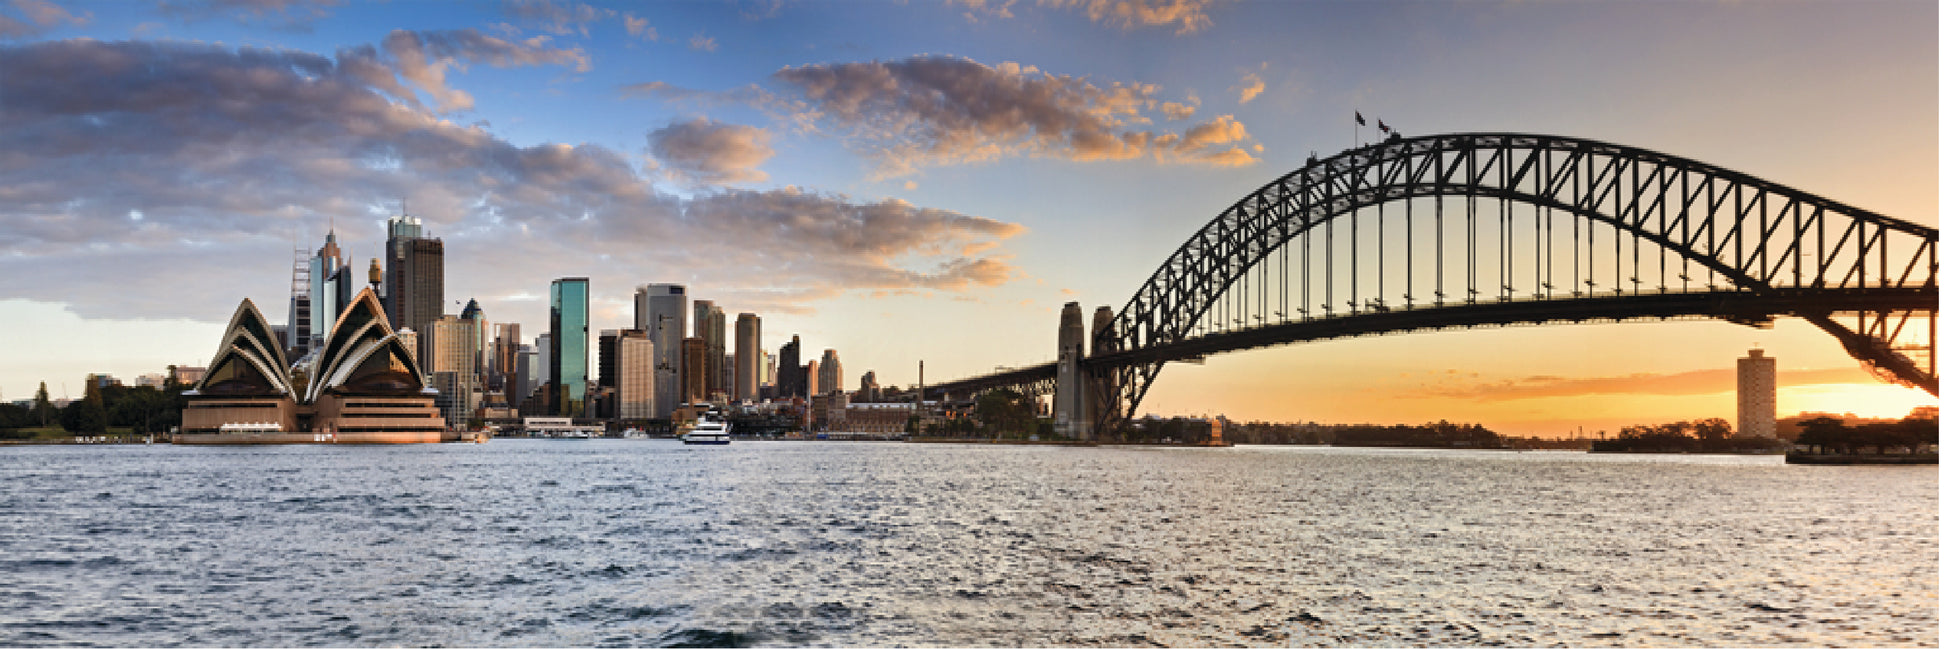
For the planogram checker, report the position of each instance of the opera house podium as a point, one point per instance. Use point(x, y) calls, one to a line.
point(362, 386)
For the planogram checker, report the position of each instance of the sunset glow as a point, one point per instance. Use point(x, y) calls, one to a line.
point(905, 182)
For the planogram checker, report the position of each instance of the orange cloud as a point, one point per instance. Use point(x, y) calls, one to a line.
point(1188, 16)
point(1253, 85)
point(939, 110)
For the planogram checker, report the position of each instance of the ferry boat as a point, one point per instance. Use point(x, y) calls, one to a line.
point(710, 429)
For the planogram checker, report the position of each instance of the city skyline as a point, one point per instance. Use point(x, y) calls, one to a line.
point(810, 163)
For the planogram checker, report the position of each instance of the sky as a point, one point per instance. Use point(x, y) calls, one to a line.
point(903, 181)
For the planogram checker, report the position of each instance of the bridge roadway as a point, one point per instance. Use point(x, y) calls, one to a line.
point(1734, 306)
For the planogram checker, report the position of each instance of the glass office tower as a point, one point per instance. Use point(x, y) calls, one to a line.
point(568, 362)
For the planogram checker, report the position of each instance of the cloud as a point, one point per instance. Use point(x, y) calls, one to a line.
point(760, 9)
point(558, 18)
point(936, 110)
point(1187, 16)
point(1457, 386)
point(226, 153)
point(638, 27)
point(36, 17)
point(978, 10)
point(422, 59)
point(704, 152)
point(702, 43)
point(295, 15)
point(1175, 111)
point(1253, 85)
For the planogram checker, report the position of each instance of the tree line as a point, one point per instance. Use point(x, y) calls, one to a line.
point(1439, 434)
point(139, 410)
point(1711, 435)
point(1914, 434)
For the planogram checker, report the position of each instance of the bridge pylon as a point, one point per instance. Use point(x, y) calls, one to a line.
point(1072, 411)
point(1104, 402)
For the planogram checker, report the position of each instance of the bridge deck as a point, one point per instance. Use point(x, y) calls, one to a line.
point(1740, 307)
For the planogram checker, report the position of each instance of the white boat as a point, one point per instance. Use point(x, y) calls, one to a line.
point(710, 429)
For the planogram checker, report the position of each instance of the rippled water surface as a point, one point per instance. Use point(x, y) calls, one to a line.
point(626, 542)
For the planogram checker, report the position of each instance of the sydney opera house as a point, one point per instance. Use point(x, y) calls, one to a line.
point(363, 385)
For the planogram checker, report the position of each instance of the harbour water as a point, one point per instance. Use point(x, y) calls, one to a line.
point(653, 543)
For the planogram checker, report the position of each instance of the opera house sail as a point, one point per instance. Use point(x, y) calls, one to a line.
point(363, 385)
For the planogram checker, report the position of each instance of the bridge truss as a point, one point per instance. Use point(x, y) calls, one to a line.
point(1499, 228)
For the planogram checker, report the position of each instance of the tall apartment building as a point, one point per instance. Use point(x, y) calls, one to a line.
point(662, 311)
point(1757, 395)
point(568, 324)
point(750, 356)
point(415, 276)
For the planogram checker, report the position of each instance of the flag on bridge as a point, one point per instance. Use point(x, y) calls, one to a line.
point(1358, 116)
point(1383, 127)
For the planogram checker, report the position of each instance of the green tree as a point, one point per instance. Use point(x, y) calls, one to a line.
point(13, 418)
point(1824, 433)
point(143, 409)
point(1917, 431)
point(84, 416)
point(1712, 429)
point(1005, 411)
point(43, 408)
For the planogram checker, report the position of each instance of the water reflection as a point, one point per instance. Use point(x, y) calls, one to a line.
point(630, 543)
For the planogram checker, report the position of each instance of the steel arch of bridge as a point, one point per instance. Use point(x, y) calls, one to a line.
point(1777, 250)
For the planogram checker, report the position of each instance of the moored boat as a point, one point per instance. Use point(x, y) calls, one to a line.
point(710, 429)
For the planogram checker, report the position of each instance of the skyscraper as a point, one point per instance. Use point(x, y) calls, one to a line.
point(695, 355)
point(662, 310)
point(521, 383)
point(568, 324)
point(331, 288)
point(810, 374)
point(1757, 395)
point(503, 362)
point(453, 364)
point(709, 327)
point(627, 369)
point(790, 377)
point(415, 276)
point(543, 362)
point(749, 365)
point(297, 330)
point(769, 379)
point(831, 373)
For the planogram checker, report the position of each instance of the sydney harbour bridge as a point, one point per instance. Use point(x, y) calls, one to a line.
point(1492, 229)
